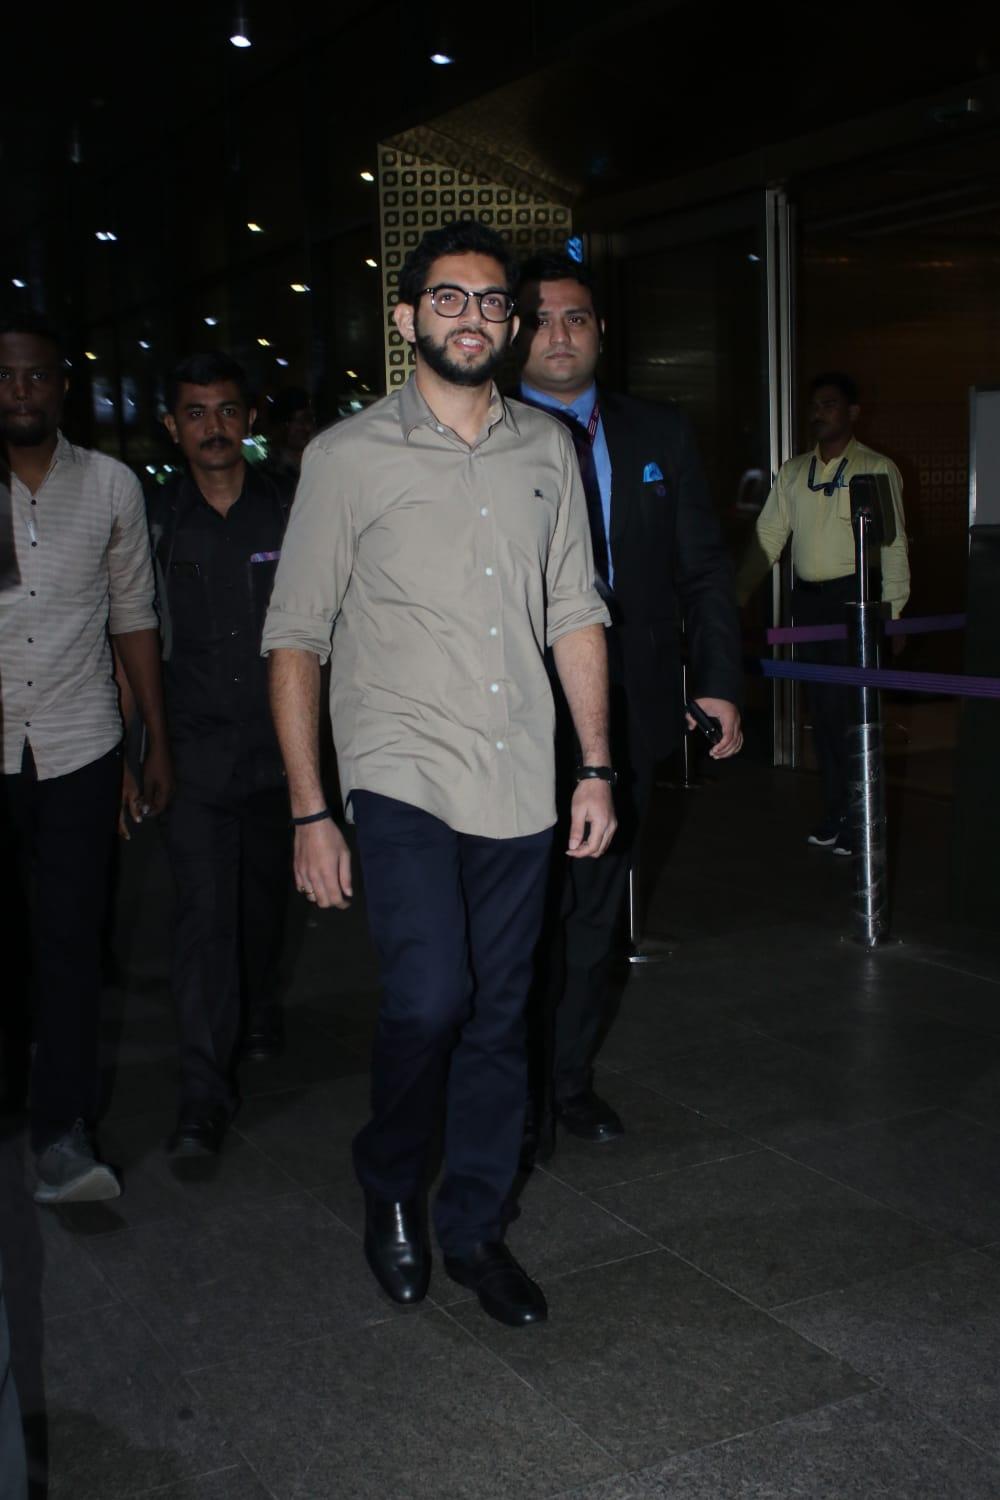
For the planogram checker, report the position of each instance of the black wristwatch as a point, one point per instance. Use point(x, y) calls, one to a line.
point(597, 773)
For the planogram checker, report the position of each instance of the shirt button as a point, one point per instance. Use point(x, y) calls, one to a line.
point(500, 745)
point(32, 593)
point(34, 502)
point(493, 630)
point(494, 687)
point(489, 572)
point(484, 510)
point(234, 632)
point(34, 544)
point(31, 640)
point(27, 723)
point(30, 683)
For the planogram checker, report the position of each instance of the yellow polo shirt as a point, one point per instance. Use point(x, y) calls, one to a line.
point(820, 526)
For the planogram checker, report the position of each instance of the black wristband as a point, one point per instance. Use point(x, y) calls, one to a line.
point(312, 818)
point(597, 773)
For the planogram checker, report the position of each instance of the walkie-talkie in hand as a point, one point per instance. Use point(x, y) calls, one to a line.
point(710, 727)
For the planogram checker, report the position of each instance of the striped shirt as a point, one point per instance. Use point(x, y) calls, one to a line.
point(83, 570)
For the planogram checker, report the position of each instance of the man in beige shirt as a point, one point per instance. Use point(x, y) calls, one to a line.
point(83, 573)
point(444, 531)
point(811, 503)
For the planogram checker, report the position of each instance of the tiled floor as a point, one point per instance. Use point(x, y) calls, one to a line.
point(783, 1281)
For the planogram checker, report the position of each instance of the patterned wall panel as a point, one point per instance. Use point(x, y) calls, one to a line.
point(417, 193)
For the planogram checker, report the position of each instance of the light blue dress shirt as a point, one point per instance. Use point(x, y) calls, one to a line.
point(582, 409)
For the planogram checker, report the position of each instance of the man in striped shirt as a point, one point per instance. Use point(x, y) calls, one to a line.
point(83, 573)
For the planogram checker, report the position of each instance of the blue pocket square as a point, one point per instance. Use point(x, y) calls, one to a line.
point(651, 473)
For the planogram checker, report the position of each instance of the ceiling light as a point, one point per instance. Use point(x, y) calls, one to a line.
point(299, 286)
point(441, 58)
point(370, 261)
point(16, 281)
point(144, 344)
point(280, 361)
point(351, 374)
point(368, 177)
point(211, 322)
point(89, 354)
point(106, 234)
point(240, 36)
point(254, 228)
point(264, 343)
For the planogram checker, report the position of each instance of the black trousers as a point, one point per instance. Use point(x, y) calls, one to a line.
point(58, 838)
point(455, 919)
point(570, 1008)
point(230, 856)
point(829, 706)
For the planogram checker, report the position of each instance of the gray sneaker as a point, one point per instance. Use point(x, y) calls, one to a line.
point(69, 1172)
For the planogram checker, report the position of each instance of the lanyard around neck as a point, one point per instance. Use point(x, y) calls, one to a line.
point(831, 484)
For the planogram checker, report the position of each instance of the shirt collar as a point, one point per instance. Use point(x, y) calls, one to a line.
point(848, 454)
point(414, 411)
point(582, 408)
point(65, 452)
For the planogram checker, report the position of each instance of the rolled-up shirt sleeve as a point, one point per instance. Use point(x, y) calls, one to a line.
point(317, 558)
point(130, 562)
point(572, 601)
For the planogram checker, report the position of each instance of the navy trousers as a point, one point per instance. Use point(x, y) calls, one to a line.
point(455, 920)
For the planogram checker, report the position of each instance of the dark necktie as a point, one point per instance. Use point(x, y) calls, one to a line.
point(592, 489)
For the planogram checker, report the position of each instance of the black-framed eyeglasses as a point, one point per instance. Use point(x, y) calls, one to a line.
point(495, 304)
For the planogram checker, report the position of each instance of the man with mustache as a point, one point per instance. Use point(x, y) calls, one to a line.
point(444, 531)
point(217, 534)
point(81, 573)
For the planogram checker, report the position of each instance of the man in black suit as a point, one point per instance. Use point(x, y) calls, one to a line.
point(660, 560)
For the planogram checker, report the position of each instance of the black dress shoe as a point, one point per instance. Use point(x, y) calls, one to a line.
point(397, 1249)
point(265, 1038)
point(200, 1130)
point(505, 1290)
point(589, 1117)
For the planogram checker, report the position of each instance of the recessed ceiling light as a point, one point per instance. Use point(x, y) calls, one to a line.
point(144, 344)
point(16, 281)
point(351, 374)
point(254, 228)
point(264, 343)
point(89, 354)
point(368, 177)
point(299, 286)
point(371, 261)
point(280, 361)
point(441, 58)
point(211, 322)
point(105, 234)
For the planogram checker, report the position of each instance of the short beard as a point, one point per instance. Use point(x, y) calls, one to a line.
point(437, 357)
point(19, 435)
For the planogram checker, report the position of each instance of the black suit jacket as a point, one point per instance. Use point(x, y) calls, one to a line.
point(670, 565)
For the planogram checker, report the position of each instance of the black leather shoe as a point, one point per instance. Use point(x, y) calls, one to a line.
point(505, 1290)
point(200, 1130)
point(397, 1249)
point(589, 1117)
point(265, 1038)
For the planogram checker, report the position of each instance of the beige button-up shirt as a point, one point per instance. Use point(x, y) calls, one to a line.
point(820, 526)
point(83, 569)
point(447, 569)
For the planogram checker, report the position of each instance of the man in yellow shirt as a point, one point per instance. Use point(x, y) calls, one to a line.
point(811, 503)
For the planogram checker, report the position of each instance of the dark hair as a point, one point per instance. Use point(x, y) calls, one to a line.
point(556, 265)
point(460, 237)
point(845, 384)
point(284, 404)
point(34, 325)
point(206, 369)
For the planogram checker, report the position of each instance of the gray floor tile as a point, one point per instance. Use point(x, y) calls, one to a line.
point(413, 1408)
point(930, 1333)
point(558, 1230)
point(659, 1136)
point(644, 1034)
point(308, 1132)
point(120, 1417)
point(771, 1229)
point(934, 1166)
point(651, 1358)
point(311, 1055)
point(771, 1091)
point(266, 1273)
point(235, 1483)
point(859, 1449)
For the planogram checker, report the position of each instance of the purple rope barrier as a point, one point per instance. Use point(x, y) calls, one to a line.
point(784, 635)
point(947, 683)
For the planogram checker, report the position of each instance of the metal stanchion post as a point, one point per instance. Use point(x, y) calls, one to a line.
point(873, 522)
point(653, 950)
